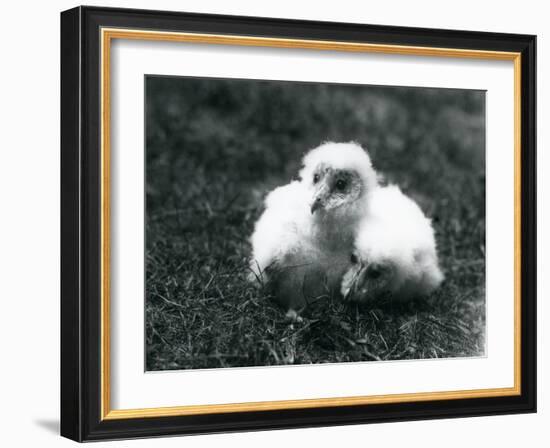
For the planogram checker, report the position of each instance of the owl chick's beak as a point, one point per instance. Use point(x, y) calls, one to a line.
point(317, 204)
point(321, 196)
point(357, 276)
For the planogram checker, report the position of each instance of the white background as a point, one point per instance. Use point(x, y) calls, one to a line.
point(29, 237)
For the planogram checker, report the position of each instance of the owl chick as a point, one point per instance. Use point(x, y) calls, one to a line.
point(303, 240)
point(394, 252)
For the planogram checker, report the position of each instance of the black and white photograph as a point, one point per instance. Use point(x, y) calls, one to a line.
point(274, 223)
point(293, 223)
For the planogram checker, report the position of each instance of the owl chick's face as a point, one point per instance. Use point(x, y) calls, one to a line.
point(334, 188)
point(365, 280)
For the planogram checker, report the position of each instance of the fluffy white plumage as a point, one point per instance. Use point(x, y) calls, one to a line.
point(343, 156)
point(395, 250)
point(303, 252)
point(303, 242)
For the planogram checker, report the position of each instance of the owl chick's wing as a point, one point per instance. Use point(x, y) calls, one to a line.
point(280, 230)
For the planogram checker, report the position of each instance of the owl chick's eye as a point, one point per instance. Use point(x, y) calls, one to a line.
point(315, 178)
point(374, 271)
point(341, 184)
point(353, 258)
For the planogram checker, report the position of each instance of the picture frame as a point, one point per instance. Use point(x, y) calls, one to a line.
point(87, 34)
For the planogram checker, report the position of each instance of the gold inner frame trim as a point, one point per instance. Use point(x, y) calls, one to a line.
point(107, 35)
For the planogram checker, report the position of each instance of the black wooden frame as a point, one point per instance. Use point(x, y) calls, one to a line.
point(80, 223)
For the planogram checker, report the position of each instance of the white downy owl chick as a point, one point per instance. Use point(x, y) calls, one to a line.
point(395, 251)
point(303, 240)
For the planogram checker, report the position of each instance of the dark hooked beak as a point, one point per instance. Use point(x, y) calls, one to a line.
point(317, 204)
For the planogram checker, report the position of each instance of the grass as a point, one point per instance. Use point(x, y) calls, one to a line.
point(216, 147)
